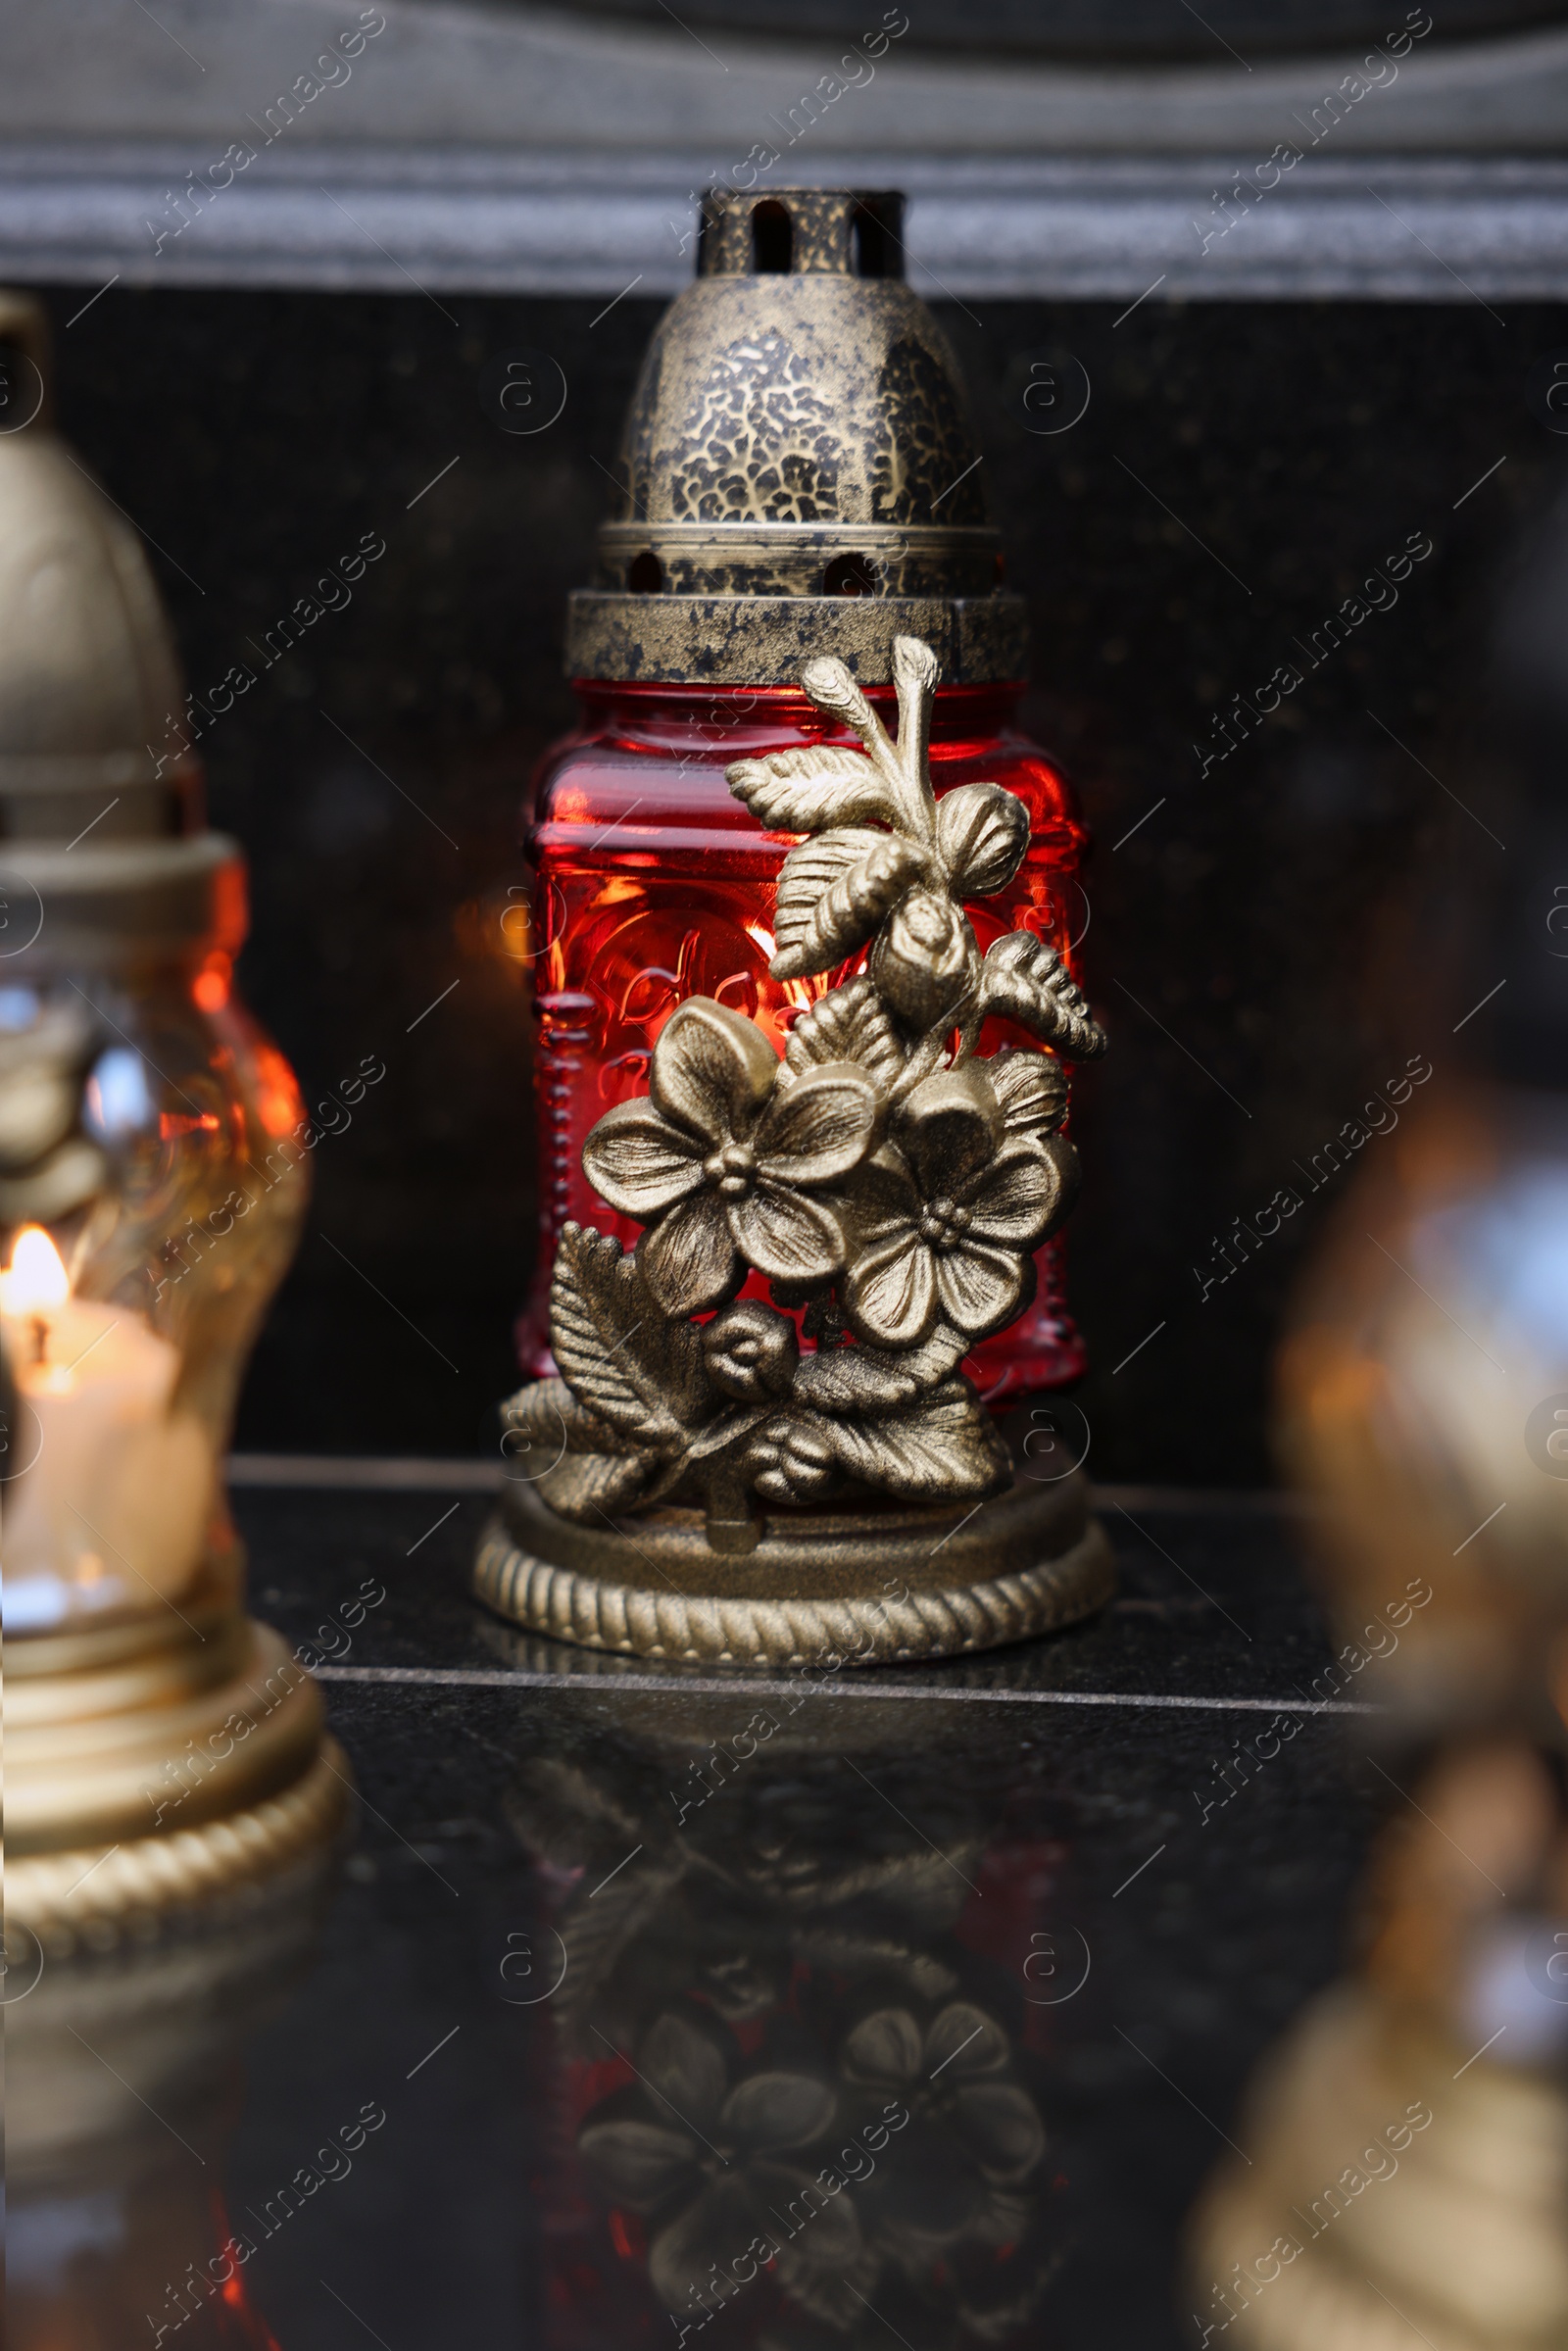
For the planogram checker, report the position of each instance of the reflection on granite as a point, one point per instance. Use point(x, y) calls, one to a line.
point(784, 2012)
point(123, 2091)
point(784, 2068)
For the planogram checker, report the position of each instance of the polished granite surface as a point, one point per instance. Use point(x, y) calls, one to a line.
point(624, 1956)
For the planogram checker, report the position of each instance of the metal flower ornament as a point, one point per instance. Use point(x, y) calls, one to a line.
point(879, 1176)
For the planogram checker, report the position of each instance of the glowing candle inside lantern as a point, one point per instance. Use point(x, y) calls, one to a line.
point(110, 1492)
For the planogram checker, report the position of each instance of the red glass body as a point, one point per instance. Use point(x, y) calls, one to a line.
point(652, 883)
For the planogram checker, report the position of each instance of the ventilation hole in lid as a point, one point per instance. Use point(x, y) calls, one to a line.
point(849, 575)
point(872, 245)
point(772, 240)
point(645, 578)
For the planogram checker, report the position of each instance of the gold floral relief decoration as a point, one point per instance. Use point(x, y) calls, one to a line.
point(889, 1186)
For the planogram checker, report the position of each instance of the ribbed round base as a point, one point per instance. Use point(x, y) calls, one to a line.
point(821, 1588)
point(154, 1764)
point(94, 1896)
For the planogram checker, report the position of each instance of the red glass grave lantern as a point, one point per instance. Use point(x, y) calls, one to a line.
point(797, 478)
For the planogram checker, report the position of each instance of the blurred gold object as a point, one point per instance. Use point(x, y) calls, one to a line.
point(1416, 1395)
point(1406, 2165)
point(160, 1748)
point(1407, 2147)
point(1387, 2201)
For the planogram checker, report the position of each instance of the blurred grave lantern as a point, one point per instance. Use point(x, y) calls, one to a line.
point(1407, 2146)
point(160, 1746)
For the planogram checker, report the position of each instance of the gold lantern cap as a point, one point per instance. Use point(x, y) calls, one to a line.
point(88, 674)
point(798, 474)
point(103, 850)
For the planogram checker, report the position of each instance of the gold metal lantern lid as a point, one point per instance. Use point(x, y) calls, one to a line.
point(798, 475)
point(103, 853)
point(88, 675)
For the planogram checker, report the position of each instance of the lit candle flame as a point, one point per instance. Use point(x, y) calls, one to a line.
point(36, 1278)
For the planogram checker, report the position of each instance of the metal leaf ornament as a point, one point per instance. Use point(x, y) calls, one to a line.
point(879, 1177)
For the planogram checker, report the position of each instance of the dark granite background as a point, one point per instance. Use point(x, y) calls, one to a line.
point(1274, 940)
